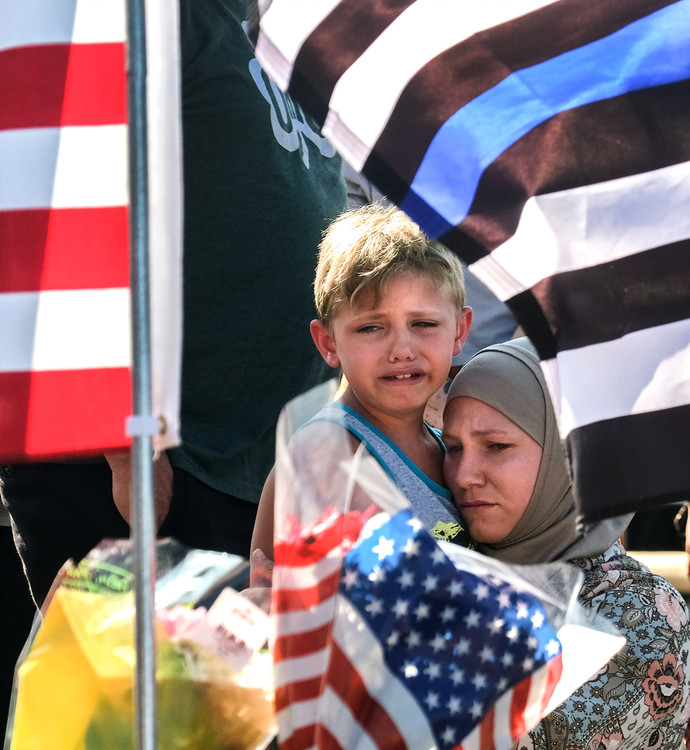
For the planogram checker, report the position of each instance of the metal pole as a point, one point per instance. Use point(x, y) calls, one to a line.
point(143, 525)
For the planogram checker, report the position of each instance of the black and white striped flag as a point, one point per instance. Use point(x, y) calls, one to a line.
point(548, 144)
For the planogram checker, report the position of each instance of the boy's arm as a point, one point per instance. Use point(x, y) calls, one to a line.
point(312, 449)
point(261, 548)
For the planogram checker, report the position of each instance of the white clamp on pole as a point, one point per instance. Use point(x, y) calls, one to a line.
point(142, 425)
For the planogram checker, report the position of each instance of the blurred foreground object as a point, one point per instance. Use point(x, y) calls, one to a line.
point(74, 687)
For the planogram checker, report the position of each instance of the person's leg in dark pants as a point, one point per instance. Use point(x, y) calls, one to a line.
point(59, 511)
point(18, 610)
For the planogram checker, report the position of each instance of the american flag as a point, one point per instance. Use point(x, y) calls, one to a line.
point(382, 642)
point(65, 381)
point(548, 144)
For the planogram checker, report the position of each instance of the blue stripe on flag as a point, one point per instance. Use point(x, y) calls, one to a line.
point(649, 52)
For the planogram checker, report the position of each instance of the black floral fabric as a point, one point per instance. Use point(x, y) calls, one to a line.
point(640, 698)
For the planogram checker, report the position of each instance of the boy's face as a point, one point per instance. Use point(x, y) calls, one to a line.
point(395, 354)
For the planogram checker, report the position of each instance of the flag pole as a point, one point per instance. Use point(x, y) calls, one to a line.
point(142, 426)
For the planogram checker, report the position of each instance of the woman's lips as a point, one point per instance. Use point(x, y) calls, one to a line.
point(475, 504)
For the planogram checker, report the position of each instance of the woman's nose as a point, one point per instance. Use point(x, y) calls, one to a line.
point(463, 472)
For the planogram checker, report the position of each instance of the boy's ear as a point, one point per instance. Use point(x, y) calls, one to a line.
point(463, 329)
point(325, 343)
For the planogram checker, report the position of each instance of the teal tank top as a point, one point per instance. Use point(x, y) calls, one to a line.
point(431, 502)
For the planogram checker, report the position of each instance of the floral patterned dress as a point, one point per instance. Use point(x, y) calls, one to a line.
point(640, 699)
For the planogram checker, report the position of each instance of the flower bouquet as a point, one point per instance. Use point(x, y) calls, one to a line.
point(74, 688)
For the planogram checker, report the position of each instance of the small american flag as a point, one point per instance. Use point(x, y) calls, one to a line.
point(381, 641)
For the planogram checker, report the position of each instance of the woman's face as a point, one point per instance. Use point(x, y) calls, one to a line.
point(491, 466)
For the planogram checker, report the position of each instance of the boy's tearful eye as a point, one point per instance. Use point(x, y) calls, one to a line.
point(368, 329)
point(426, 324)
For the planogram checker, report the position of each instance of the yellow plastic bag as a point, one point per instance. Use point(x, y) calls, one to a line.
point(74, 687)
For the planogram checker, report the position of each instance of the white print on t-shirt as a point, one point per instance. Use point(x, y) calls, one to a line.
point(291, 126)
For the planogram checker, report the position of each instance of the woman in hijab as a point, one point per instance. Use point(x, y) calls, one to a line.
point(507, 469)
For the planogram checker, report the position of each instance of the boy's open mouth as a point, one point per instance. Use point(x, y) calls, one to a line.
point(404, 376)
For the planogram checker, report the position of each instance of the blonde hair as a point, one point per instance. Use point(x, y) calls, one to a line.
point(363, 248)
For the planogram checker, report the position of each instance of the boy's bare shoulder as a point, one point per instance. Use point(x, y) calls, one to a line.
point(322, 455)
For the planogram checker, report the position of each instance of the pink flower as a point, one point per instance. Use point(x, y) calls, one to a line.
point(605, 741)
point(671, 608)
point(180, 620)
point(663, 686)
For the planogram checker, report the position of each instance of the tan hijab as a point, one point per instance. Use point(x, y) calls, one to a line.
point(508, 378)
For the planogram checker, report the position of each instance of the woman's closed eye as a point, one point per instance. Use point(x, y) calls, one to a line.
point(499, 447)
point(453, 449)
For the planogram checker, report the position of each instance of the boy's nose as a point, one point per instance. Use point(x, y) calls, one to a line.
point(400, 346)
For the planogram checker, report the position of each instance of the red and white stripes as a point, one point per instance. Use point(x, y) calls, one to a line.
point(65, 352)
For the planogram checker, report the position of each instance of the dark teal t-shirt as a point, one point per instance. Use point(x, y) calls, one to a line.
point(261, 184)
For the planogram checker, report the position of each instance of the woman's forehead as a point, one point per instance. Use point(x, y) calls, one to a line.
point(473, 416)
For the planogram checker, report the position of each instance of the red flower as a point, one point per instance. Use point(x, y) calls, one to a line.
point(663, 686)
point(308, 543)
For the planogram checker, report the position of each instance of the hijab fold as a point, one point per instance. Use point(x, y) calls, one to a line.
point(508, 377)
